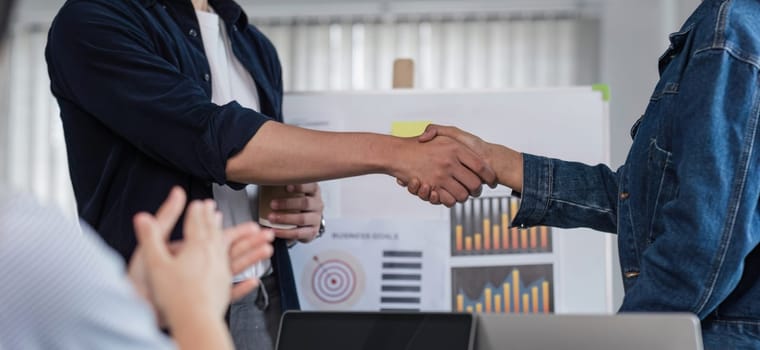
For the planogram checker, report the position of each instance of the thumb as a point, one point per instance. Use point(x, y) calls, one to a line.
point(430, 133)
point(151, 240)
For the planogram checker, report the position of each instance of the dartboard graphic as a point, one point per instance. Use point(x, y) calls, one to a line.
point(333, 280)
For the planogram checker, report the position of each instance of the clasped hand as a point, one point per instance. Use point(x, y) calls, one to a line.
point(446, 166)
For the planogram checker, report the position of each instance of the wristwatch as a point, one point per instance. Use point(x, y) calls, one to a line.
point(321, 228)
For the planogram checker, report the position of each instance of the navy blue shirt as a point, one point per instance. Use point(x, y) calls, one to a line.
point(134, 87)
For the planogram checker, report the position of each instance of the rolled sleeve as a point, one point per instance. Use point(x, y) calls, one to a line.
point(103, 61)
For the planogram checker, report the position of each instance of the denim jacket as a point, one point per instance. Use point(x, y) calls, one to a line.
point(685, 203)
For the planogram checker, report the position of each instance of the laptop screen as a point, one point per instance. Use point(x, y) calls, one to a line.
point(375, 331)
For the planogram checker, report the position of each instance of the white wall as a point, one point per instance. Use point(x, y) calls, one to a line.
point(634, 35)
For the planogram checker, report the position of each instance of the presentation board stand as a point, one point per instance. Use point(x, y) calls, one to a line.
point(387, 250)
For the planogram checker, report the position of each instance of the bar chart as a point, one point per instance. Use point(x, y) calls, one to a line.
point(480, 226)
point(503, 289)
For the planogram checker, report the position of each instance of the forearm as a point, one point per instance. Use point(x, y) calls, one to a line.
point(508, 165)
point(283, 154)
point(195, 330)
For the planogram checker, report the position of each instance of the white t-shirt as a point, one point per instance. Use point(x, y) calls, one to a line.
point(230, 81)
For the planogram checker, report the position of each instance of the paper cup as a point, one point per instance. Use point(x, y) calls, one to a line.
point(266, 195)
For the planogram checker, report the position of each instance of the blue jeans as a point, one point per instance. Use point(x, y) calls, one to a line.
point(255, 319)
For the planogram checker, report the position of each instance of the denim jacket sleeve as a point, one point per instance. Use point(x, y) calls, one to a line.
point(102, 58)
point(567, 194)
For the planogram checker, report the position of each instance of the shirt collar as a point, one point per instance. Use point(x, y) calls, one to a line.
point(228, 10)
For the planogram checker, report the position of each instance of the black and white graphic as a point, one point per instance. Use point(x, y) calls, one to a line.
point(401, 282)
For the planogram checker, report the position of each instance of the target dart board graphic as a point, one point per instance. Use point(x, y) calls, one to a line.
point(333, 280)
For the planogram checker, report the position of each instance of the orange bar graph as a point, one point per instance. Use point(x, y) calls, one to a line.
point(504, 231)
point(544, 238)
point(496, 245)
point(506, 298)
point(513, 211)
point(487, 234)
point(468, 243)
point(513, 295)
point(459, 232)
point(516, 289)
point(487, 223)
point(488, 300)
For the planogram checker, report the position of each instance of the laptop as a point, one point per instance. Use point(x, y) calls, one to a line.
point(376, 331)
point(589, 332)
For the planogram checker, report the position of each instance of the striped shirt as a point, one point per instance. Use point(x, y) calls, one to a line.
point(61, 288)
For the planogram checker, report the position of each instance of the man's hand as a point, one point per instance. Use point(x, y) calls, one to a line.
point(447, 166)
point(305, 212)
point(506, 163)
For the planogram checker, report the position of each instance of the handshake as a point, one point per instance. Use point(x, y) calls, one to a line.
point(449, 165)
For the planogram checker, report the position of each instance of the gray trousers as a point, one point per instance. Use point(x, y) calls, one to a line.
point(255, 319)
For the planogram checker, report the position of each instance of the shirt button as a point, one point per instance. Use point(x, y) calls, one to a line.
point(206, 77)
point(624, 195)
point(192, 32)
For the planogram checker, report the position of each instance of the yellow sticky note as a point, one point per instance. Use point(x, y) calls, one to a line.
point(409, 128)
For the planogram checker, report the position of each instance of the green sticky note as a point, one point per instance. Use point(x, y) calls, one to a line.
point(409, 128)
point(604, 89)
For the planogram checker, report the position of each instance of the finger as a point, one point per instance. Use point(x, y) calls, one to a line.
point(150, 239)
point(414, 186)
point(302, 234)
point(241, 231)
point(434, 198)
point(298, 219)
point(304, 203)
point(431, 131)
point(446, 198)
point(456, 189)
point(478, 166)
point(401, 182)
point(247, 242)
point(308, 189)
point(470, 181)
point(243, 288)
point(478, 192)
point(209, 219)
point(194, 221)
point(424, 192)
point(250, 257)
point(170, 211)
point(288, 235)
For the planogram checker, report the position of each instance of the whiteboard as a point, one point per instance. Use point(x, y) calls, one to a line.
point(566, 123)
